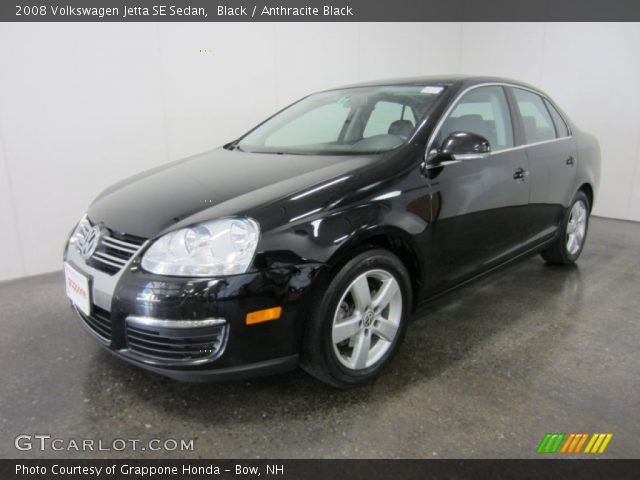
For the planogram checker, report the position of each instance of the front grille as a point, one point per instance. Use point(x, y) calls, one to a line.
point(176, 345)
point(114, 251)
point(99, 322)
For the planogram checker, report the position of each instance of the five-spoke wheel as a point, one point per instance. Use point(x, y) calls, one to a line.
point(576, 227)
point(568, 244)
point(367, 319)
point(358, 319)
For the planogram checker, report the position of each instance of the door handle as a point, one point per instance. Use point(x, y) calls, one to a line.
point(520, 174)
point(571, 161)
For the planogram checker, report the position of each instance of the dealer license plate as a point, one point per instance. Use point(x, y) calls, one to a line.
point(78, 291)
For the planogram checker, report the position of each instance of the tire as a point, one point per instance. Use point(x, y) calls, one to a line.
point(568, 246)
point(344, 321)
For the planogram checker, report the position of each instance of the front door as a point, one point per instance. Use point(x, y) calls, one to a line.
point(480, 202)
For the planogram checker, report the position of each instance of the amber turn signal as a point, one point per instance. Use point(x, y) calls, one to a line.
point(266, 315)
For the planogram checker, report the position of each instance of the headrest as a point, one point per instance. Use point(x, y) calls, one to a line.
point(401, 128)
point(472, 123)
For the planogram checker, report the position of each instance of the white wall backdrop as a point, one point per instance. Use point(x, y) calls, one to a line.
point(593, 71)
point(84, 105)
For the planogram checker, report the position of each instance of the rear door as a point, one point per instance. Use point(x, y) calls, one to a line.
point(479, 202)
point(552, 163)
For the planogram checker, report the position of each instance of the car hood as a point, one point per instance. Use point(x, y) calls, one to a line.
point(212, 185)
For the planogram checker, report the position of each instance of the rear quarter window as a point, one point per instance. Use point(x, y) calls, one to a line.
point(561, 126)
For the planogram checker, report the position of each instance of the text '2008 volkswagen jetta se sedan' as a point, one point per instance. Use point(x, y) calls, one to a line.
point(312, 238)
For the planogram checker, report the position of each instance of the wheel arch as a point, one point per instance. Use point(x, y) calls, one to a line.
point(396, 241)
point(588, 191)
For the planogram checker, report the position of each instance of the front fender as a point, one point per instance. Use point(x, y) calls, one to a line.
point(398, 221)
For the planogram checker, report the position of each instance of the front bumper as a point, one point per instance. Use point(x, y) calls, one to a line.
point(251, 370)
point(180, 314)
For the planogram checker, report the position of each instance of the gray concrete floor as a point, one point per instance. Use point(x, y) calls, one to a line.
point(485, 371)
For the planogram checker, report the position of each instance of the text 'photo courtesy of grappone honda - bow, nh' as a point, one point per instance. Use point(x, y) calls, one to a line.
point(311, 239)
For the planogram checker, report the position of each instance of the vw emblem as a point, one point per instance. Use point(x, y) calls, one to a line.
point(368, 317)
point(88, 243)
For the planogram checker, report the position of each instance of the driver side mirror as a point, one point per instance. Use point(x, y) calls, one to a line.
point(461, 146)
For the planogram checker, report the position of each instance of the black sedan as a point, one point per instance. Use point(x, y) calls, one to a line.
point(311, 239)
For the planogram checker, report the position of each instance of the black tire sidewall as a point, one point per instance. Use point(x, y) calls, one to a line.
point(369, 260)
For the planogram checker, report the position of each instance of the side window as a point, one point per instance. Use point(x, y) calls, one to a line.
point(561, 127)
point(483, 111)
point(390, 118)
point(320, 125)
point(536, 120)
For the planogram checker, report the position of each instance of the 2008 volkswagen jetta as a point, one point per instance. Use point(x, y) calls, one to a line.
point(312, 238)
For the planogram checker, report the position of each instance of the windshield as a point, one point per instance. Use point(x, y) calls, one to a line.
point(352, 120)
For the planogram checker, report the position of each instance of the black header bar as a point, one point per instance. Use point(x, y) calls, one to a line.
point(319, 10)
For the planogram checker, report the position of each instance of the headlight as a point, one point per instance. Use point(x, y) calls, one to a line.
point(80, 231)
point(219, 247)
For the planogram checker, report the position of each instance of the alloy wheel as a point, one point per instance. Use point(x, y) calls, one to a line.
point(576, 227)
point(367, 319)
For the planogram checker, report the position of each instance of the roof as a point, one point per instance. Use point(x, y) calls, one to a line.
point(462, 80)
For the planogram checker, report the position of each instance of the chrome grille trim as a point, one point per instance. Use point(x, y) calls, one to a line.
point(104, 276)
point(110, 259)
point(160, 323)
point(113, 254)
point(115, 243)
point(175, 342)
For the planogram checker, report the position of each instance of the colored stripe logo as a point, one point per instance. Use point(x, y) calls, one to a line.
point(574, 442)
point(598, 443)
